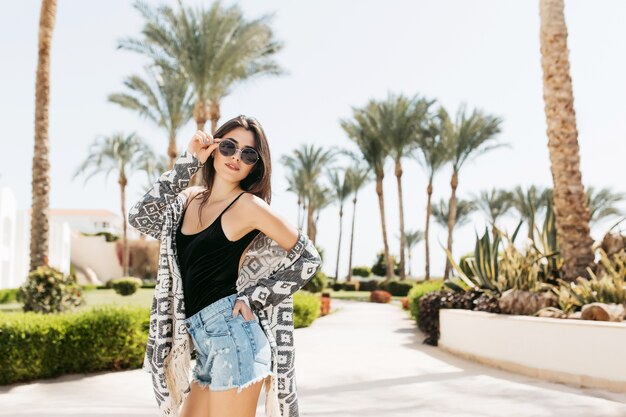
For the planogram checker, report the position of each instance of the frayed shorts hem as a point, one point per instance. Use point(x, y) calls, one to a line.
point(213, 387)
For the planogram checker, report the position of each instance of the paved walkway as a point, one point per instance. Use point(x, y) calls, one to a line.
point(362, 360)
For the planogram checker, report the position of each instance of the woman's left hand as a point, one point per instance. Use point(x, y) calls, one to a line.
point(243, 309)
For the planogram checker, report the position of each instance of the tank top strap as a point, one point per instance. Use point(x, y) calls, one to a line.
point(231, 203)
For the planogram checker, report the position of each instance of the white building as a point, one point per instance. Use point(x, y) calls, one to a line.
point(95, 260)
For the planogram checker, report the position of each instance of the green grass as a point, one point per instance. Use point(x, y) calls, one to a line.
point(142, 298)
point(353, 295)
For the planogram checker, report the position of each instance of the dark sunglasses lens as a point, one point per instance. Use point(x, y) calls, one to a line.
point(249, 156)
point(227, 148)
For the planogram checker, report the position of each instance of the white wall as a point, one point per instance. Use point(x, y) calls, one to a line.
point(580, 352)
point(97, 254)
point(65, 243)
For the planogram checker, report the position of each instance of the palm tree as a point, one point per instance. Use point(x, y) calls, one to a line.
point(216, 48)
point(432, 153)
point(404, 118)
point(123, 154)
point(466, 137)
point(41, 166)
point(570, 200)
point(309, 161)
point(601, 203)
point(413, 237)
point(341, 190)
point(297, 185)
point(494, 204)
point(358, 174)
point(321, 197)
point(528, 202)
point(164, 98)
point(367, 130)
point(464, 208)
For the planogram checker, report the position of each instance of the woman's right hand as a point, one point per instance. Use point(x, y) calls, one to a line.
point(201, 144)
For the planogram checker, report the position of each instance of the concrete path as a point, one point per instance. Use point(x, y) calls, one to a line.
point(363, 360)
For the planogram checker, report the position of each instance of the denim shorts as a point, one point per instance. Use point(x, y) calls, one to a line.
point(230, 352)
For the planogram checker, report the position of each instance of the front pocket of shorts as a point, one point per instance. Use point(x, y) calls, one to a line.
point(262, 349)
point(216, 326)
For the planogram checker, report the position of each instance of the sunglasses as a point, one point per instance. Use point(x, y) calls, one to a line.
point(248, 154)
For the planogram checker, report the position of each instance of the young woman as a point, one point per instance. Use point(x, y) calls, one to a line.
point(235, 207)
point(228, 266)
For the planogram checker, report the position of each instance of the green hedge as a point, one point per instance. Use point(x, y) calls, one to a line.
point(34, 345)
point(396, 288)
point(104, 337)
point(126, 285)
point(306, 308)
point(8, 295)
point(418, 291)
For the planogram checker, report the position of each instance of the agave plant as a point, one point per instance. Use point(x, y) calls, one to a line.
point(484, 267)
point(495, 272)
point(520, 270)
point(609, 288)
point(546, 243)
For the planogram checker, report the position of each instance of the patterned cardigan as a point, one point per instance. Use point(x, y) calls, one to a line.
point(268, 278)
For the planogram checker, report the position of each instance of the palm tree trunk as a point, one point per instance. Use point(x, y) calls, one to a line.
point(339, 243)
point(409, 253)
point(381, 205)
point(172, 152)
point(39, 225)
point(125, 249)
point(454, 182)
point(402, 237)
point(214, 111)
point(351, 239)
point(310, 229)
point(429, 211)
point(200, 115)
point(570, 200)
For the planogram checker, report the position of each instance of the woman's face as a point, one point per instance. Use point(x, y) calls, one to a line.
point(242, 138)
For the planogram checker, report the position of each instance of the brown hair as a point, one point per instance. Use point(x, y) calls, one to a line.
point(258, 181)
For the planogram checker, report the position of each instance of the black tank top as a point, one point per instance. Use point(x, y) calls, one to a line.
point(209, 263)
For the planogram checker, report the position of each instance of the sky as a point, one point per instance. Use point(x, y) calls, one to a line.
point(337, 55)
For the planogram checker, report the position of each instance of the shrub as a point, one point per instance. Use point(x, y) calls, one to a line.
point(418, 291)
point(36, 346)
point(306, 308)
point(90, 287)
point(47, 290)
point(399, 288)
point(317, 283)
point(351, 286)
point(431, 303)
point(8, 295)
point(379, 296)
point(126, 285)
point(338, 286)
point(368, 285)
point(108, 236)
point(361, 271)
point(380, 267)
